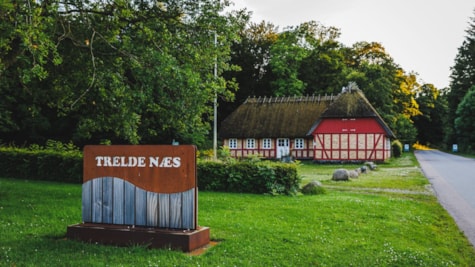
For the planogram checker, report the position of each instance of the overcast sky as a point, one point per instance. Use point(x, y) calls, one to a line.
point(420, 35)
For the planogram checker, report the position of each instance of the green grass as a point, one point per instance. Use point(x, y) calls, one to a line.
point(398, 174)
point(351, 225)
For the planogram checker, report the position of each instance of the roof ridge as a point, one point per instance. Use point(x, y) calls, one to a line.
point(290, 99)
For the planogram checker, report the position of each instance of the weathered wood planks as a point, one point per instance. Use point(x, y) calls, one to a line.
point(113, 200)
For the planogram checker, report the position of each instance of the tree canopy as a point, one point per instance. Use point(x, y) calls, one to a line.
point(432, 118)
point(143, 71)
point(462, 79)
point(465, 121)
point(125, 71)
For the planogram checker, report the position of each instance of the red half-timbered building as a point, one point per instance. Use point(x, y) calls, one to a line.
point(339, 128)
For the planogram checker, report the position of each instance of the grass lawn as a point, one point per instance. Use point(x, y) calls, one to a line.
point(387, 217)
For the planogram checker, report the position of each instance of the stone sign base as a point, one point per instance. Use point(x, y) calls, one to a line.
point(125, 235)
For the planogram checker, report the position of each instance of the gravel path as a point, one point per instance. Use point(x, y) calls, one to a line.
point(429, 190)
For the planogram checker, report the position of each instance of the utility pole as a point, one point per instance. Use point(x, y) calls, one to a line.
point(215, 102)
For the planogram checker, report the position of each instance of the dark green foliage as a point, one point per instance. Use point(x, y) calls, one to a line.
point(307, 59)
point(396, 148)
point(248, 177)
point(323, 70)
point(285, 175)
point(64, 163)
point(404, 129)
point(126, 71)
point(431, 122)
point(462, 79)
point(374, 71)
point(141, 73)
point(38, 163)
point(212, 176)
point(465, 122)
point(254, 75)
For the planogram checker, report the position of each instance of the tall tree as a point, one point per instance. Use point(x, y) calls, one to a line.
point(465, 122)
point(307, 60)
point(405, 95)
point(251, 54)
point(375, 73)
point(127, 71)
point(390, 90)
point(462, 77)
point(430, 123)
point(285, 61)
point(26, 51)
point(323, 70)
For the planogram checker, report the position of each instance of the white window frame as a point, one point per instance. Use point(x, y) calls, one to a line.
point(233, 143)
point(267, 143)
point(299, 143)
point(250, 143)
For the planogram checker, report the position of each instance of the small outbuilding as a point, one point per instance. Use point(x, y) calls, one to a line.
point(339, 128)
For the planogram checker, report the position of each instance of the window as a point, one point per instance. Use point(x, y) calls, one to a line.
point(283, 142)
point(233, 143)
point(266, 143)
point(250, 143)
point(299, 143)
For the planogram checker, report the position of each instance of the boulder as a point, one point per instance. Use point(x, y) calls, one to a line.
point(354, 173)
point(371, 165)
point(341, 175)
point(313, 188)
point(363, 169)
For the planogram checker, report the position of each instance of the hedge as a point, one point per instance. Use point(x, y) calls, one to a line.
point(46, 165)
point(248, 177)
point(234, 176)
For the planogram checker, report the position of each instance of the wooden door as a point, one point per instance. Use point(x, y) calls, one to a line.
point(283, 147)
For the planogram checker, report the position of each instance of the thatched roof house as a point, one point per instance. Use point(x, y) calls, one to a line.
point(326, 128)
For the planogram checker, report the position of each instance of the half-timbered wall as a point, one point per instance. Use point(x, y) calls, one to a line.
point(350, 139)
point(239, 148)
point(338, 139)
point(351, 147)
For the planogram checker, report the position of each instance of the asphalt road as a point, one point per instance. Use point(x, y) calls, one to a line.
point(453, 180)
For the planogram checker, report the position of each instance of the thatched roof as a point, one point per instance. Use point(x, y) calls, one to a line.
point(352, 104)
point(274, 117)
point(293, 117)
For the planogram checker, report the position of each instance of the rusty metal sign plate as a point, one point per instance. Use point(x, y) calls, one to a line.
point(155, 168)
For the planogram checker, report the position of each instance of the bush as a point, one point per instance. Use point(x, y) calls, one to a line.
point(211, 176)
point(396, 147)
point(55, 162)
point(64, 163)
point(248, 177)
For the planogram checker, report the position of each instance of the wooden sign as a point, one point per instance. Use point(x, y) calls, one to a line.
point(143, 185)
